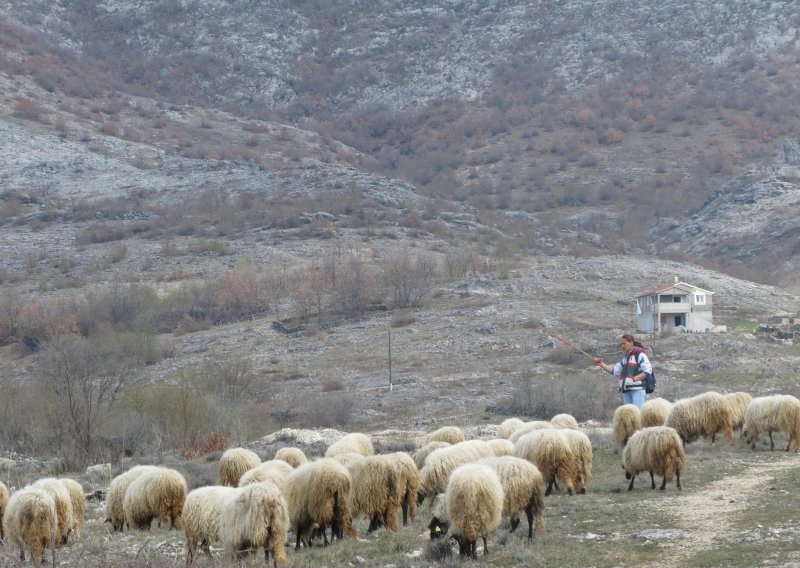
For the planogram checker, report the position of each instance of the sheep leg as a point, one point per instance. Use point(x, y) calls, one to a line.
point(630, 485)
point(653, 481)
point(514, 523)
point(297, 544)
point(529, 514)
point(404, 506)
point(663, 484)
point(678, 475)
point(771, 442)
point(485, 546)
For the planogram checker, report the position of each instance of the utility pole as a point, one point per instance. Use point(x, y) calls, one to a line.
point(390, 358)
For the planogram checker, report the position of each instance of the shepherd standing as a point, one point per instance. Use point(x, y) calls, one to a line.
point(631, 370)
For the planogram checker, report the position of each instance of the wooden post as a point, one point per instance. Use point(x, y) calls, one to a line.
point(390, 358)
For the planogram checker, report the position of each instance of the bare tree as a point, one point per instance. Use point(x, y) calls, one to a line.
point(409, 276)
point(354, 286)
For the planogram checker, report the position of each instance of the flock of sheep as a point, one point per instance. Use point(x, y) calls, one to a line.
point(472, 484)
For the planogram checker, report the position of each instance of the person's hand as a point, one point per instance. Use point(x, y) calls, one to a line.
point(598, 361)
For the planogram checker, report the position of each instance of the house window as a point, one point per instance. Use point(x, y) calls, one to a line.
point(700, 299)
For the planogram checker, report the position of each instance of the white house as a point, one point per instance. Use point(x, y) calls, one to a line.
point(674, 306)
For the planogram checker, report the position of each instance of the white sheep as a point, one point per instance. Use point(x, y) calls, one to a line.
point(564, 421)
point(627, 420)
point(473, 504)
point(420, 455)
point(550, 451)
point(408, 480)
point(377, 497)
point(233, 463)
point(703, 415)
point(523, 489)
point(255, 517)
point(348, 458)
point(30, 521)
point(581, 447)
point(273, 470)
point(63, 502)
point(201, 514)
point(449, 434)
point(78, 499)
point(529, 427)
point(158, 494)
point(658, 450)
point(3, 503)
point(776, 413)
point(440, 464)
point(355, 442)
point(508, 427)
point(501, 447)
point(655, 412)
point(738, 403)
point(293, 456)
point(116, 494)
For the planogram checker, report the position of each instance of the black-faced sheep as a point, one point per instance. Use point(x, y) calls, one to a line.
point(738, 402)
point(658, 450)
point(58, 491)
point(449, 434)
point(703, 415)
point(255, 517)
point(627, 420)
point(408, 480)
point(377, 497)
point(529, 427)
point(317, 495)
point(78, 498)
point(501, 447)
point(655, 412)
point(234, 463)
point(776, 413)
point(523, 488)
point(201, 514)
point(273, 470)
point(420, 455)
point(581, 446)
point(31, 522)
point(550, 451)
point(3, 503)
point(293, 456)
point(158, 494)
point(564, 421)
point(355, 442)
point(440, 464)
point(508, 427)
point(116, 494)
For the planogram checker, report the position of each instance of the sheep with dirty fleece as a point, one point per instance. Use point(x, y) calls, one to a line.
point(293, 456)
point(377, 497)
point(116, 494)
point(550, 451)
point(158, 494)
point(408, 480)
point(658, 450)
point(738, 402)
point(501, 447)
point(581, 447)
point(508, 427)
point(317, 495)
point(565, 421)
point(655, 412)
point(529, 427)
point(3, 503)
point(78, 498)
point(776, 413)
point(234, 463)
point(440, 464)
point(421, 454)
point(703, 416)
point(58, 491)
point(201, 514)
point(273, 470)
point(627, 420)
point(355, 442)
point(449, 434)
point(255, 517)
point(523, 489)
point(30, 522)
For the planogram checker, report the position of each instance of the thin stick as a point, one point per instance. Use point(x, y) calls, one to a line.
point(568, 344)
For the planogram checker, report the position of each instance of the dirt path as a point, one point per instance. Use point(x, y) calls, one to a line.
point(708, 515)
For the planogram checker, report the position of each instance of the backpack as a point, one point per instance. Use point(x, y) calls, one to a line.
point(649, 383)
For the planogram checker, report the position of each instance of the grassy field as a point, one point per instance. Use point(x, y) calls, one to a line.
point(737, 508)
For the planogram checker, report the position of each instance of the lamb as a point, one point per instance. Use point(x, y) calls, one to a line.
point(440, 463)
point(655, 412)
point(473, 505)
point(627, 420)
point(422, 453)
point(564, 421)
point(58, 491)
point(523, 487)
point(356, 442)
point(30, 521)
point(78, 499)
point(501, 447)
point(201, 514)
point(657, 449)
point(293, 456)
point(738, 402)
point(317, 495)
point(3, 503)
point(255, 517)
point(776, 413)
point(377, 497)
point(449, 434)
point(701, 416)
point(116, 494)
point(550, 451)
point(529, 427)
point(408, 480)
point(508, 427)
point(581, 447)
point(234, 463)
point(273, 470)
point(158, 494)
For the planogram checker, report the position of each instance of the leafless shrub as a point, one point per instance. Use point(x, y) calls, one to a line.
point(328, 410)
point(409, 276)
point(100, 233)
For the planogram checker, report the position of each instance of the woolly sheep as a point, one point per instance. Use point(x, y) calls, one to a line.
point(201, 514)
point(255, 517)
point(317, 495)
point(581, 446)
point(377, 497)
point(234, 463)
point(738, 403)
point(523, 489)
point(158, 494)
point(701, 416)
point(408, 480)
point(529, 427)
point(422, 453)
point(356, 442)
point(550, 451)
point(501, 447)
point(31, 522)
point(658, 450)
point(449, 434)
point(273, 470)
point(564, 421)
point(3, 503)
point(655, 412)
point(348, 458)
point(508, 427)
point(776, 413)
point(627, 420)
point(440, 464)
point(116, 494)
point(293, 456)
point(78, 499)
point(58, 491)
point(473, 505)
